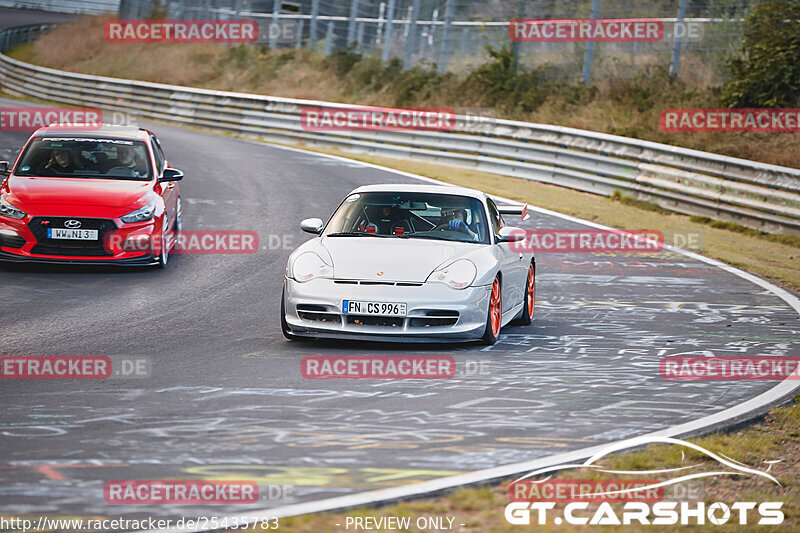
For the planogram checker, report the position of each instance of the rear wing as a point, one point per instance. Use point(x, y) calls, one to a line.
point(521, 210)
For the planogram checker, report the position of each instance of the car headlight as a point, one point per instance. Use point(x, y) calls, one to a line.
point(309, 266)
point(459, 274)
point(141, 214)
point(8, 210)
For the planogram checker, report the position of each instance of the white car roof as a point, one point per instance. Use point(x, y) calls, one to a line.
point(406, 187)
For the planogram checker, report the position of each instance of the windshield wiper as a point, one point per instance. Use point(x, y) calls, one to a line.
point(422, 236)
point(355, 234)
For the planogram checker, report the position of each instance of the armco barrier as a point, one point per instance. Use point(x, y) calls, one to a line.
point(758, 195)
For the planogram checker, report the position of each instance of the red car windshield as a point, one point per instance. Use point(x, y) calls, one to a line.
point(85, 158)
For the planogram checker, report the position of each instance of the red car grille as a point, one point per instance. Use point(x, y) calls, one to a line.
point(45, 246)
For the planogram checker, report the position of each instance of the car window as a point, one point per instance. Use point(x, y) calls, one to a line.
point(159, 155)
point(78, 157)
point(497, 218)
point(410, 215)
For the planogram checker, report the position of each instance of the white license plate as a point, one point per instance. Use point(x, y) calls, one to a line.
point(72, 234)
point(358, 307)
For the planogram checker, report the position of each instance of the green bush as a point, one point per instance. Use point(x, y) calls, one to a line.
point(416, 85)
point(499, 84)
point(343, 60)
point(645, 90)
point(767, 74)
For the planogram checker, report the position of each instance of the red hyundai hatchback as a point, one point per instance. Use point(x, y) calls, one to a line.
point(90, 195)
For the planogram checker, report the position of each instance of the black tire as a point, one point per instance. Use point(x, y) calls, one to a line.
point(284, 325)
point(490, 334)
point(526, 317)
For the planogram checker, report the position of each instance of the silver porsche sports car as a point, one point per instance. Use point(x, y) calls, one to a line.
point(409, 263)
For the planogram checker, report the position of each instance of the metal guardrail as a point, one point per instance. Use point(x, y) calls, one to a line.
point(11, 37)
point(758, 195)
point(91, 7)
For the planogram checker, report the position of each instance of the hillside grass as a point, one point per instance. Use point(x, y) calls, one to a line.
point(613, 104)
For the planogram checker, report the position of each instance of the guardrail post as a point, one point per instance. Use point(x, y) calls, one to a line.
point(447, 35)
point(237, 8)
point(587, 57)
point(360, 35)
point(312, 29)
point(351, 25)
point(329, 38)
point(207, 10)
point(411, 42)
point(676, 47)
point(462, 49)
point(300, 27)
point(276, 10)
point(388, 39)
point(516, 44)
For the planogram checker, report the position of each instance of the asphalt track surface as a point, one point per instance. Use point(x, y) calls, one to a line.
point(226, 399)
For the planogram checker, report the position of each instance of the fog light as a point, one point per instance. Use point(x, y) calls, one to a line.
point(137, 243)
point(11, 239)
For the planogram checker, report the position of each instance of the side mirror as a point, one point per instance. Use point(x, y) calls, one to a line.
point(4, 168)
point(171, 174)
point(510, 234)
point(312, 225)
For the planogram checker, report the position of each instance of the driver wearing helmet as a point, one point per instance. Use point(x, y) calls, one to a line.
point(458, 223)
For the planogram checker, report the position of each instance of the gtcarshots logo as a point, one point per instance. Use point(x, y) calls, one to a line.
point(181, 31)
point(659, 513)
point(376, 118)
point(32, 118)
point(180, 492)
point(378, 367)
point(535, 496)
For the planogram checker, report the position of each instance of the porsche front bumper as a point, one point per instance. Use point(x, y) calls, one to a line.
point(434, 311)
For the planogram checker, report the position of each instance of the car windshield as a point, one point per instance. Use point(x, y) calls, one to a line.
point(408, 215)
point(71, 157)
